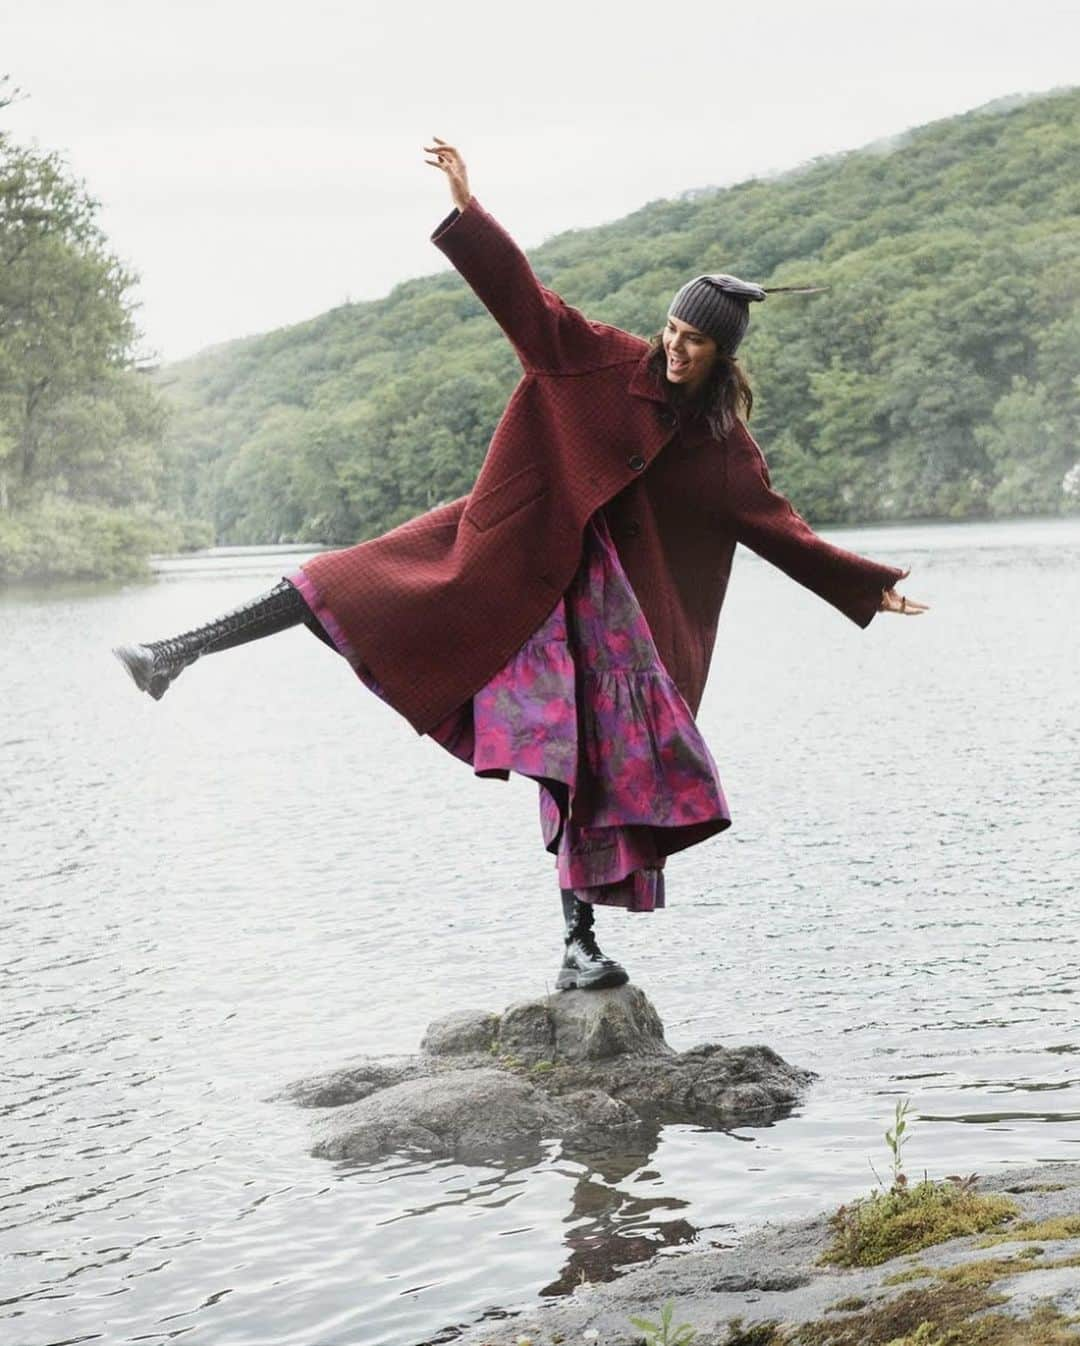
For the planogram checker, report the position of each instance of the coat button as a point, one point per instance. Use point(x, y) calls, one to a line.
point(667, 417)
point(636, 462)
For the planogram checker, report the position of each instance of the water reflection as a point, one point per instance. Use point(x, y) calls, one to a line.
point(609, 1228)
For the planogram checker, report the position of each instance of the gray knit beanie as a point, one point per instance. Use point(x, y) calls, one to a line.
point(719, 306)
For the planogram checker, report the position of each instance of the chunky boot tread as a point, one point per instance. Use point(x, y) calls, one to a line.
point(571, 979)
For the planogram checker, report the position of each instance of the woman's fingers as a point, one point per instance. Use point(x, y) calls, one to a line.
point(891, 601)
point(449, 159)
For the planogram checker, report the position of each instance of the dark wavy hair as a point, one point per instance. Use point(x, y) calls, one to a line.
point(724, 397)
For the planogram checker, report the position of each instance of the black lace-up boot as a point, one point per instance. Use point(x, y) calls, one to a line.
point(153, 667)
point(584, 967)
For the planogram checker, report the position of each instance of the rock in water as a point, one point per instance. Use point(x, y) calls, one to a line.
point(591, 1068)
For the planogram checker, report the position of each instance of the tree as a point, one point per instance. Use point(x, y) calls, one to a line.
point(66, 326)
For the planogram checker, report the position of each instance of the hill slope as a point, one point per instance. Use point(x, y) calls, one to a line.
point(940, 376)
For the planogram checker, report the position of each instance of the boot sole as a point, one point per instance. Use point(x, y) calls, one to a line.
point(140, 669)
point(601, 981)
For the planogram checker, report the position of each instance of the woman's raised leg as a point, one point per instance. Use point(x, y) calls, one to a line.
point(154, 666)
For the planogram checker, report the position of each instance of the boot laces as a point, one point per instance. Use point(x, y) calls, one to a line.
point(584, 938)
point(176, 650)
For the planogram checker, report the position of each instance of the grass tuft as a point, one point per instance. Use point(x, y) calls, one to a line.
point(906, 1219)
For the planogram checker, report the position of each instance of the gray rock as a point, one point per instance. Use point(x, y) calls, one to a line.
point(473, 1114)
point(460, 1033)
point(600, 1025)
point(526, 1032)
point(590, 1068)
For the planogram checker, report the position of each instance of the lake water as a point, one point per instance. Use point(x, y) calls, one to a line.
point(269, 873)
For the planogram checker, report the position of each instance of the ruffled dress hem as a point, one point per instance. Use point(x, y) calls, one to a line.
point(586, 708)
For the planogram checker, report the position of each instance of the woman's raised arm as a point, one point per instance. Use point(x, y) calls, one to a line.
point(548, 335)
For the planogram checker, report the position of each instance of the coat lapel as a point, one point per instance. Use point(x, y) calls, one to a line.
point(645, 384)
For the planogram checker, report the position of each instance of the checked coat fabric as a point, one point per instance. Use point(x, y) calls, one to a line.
point(435, 607)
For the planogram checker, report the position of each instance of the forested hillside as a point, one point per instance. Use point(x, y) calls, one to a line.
point(80, 430)
point(939, 376)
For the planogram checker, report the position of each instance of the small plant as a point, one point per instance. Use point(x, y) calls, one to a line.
point(663, 1333)
point(895, 1141)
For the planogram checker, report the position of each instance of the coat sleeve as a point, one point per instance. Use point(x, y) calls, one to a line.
point(766, 522)
point(547, 334)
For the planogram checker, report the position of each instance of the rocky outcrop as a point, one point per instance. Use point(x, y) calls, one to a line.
point(591, 1068)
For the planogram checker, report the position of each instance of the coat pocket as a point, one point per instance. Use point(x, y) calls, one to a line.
point(499, 502)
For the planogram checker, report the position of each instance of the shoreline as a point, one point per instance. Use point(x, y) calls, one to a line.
point(773, 1277)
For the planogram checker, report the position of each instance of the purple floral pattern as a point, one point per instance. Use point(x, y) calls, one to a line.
point(586, 708)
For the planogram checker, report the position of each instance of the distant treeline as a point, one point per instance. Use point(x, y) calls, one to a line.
point(938, 377)
point(81, 433)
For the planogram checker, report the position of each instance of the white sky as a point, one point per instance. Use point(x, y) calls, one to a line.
point(258, 161)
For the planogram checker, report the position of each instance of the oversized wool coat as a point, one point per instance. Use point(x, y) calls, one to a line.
point(435, 607)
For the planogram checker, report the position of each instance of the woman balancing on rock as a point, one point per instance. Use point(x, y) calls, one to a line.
point(558, 621)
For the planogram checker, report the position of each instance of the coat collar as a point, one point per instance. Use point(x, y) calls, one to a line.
point(644, 384)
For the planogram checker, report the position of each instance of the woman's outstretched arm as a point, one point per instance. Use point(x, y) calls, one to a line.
point(768, 524)
point(548, 334)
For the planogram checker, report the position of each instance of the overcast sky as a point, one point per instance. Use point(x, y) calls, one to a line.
point(258, 161)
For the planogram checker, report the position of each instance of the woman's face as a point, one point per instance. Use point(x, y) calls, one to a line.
point(690, 354)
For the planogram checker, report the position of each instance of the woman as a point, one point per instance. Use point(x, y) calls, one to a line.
point(559, 620)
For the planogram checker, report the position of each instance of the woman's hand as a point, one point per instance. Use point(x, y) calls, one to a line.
point(453, 165)
point(891, 601)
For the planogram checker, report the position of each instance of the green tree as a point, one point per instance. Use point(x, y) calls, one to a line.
point(1026, 439)
point(65, 315)
point(81, 432)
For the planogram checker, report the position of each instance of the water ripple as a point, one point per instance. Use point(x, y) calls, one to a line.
point(199, 898)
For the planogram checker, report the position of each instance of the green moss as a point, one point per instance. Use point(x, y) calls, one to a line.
point(757, 1334)
point(1059, 1227)
point(907, 1219)
point(916, 1273)
point(955, 1309)
point(926, 1334)
point(984, 1271)
point(932, 1310)
point(940, 1315)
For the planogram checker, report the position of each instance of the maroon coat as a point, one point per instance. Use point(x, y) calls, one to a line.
point(436, 606)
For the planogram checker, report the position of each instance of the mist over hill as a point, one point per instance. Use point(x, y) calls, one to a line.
point(938, 377)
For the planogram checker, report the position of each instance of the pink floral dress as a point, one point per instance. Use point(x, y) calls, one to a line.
point(586, 708)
